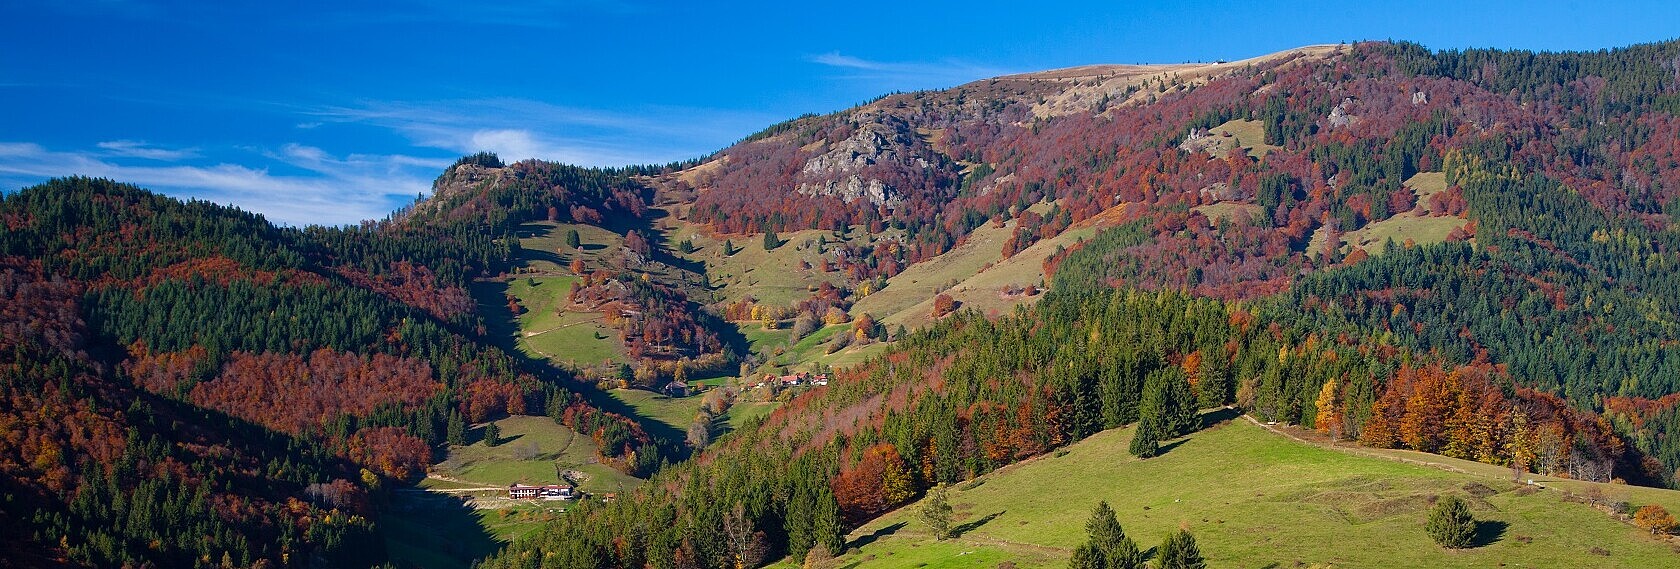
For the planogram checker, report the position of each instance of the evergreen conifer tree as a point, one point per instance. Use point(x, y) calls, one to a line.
point(1146, 441)
point(1086, 556)
point(827, 529)
point(1450, 523)
point(1180, 408)
point(1179, 551)
point(1106, 546)
point(936, 512)
point(456, 433)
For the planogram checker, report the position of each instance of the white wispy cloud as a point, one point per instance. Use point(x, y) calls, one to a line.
point(335, 191)
point(516, 129)
point(301, 184)
point(835, 59)
point(141, 149)
point(906, 74)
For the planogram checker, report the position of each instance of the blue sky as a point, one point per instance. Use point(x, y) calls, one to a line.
point(319, 112)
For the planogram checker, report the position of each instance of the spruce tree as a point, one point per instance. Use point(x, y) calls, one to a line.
point(556, 406)
point(1146, 441)
point(572, 239)
point(771, 241)
point(1179, 551)
point(1106, 546)
point(456, 433)
point(1086, 556)
point(1450, 523)
point(797, 519)
point(1104, 526)
point(1180, 411)
point(936, 512)
point(1215, 384)
point(827, 529)
point(492, 435)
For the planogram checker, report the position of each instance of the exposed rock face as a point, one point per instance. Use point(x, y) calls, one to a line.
point(1339, 116)
point(844, 170)
point(873, 143)
point(1198, 140)
point(852, 188)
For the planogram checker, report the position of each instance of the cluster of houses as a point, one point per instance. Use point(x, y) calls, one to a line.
point(796, 379)
point(519, 491)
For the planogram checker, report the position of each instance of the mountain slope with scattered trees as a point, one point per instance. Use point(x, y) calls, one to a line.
point(253, 388)
point(1462, 252)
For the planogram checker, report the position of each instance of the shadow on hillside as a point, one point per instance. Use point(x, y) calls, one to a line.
point(505, 439)
point(647, 224)
point(1488, 532)
point(502, 330)
point(428, 530)
point(958, 531)
point(550, 256)
point(876, 535)
point(533, 230)
point(1166, 448)
point(1218, 416)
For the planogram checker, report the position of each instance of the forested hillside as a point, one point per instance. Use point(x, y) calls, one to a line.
point(1556, 193)
point(253, 388)
point(1499, 341)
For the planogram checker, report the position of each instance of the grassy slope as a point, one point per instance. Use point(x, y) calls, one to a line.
point(773, 277)
point(1228, 210)
point(677, 412)
point(545, 244)
point(570, 338)
point(981, 274)
point(921, 281)
point(434, 530)
point(982, 290)
point(1244, 133)
point(1422, 228)
point(556, 447)
point(1257, 499)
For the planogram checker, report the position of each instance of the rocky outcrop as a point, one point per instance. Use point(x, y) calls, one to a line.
point(1340, 117)
point(845, 170)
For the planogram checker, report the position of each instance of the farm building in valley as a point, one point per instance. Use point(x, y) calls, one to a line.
point(519, 491)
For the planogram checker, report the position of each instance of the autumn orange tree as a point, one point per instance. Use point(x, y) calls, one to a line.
point(943, 304)
point(1655, 519)
point(879, 481)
